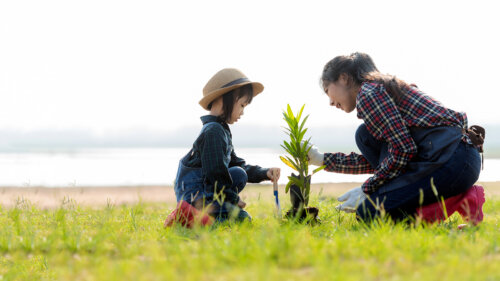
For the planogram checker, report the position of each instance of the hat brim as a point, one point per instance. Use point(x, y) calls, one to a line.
point(210, 97)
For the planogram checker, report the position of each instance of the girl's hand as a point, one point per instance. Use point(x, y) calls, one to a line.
point(242, 204)
point(273, 174)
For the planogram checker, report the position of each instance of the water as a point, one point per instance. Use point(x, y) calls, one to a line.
point(143, 166)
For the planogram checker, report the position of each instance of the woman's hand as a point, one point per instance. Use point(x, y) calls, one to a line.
point(351, 199)
point(273, 174)
point(315, 157)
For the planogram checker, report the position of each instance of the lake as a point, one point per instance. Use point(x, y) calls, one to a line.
point(140, 166)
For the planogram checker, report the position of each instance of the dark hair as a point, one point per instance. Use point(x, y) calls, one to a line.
point(360, 67)
point(230, 98)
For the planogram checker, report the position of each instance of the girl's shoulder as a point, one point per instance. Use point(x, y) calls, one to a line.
point(214, 129)
point(213, 126)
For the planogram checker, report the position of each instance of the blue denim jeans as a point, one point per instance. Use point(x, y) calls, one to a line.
point(223, 211)
point(455, 176)
point(190, 186)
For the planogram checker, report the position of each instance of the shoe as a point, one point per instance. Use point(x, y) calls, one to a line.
point(188, 216)
point(435, 212)
point(471, 207)
point(468, 204)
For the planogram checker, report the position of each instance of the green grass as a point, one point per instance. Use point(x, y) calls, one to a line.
point(130, 243)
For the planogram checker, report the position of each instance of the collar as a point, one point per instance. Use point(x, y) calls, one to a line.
point(211, 118)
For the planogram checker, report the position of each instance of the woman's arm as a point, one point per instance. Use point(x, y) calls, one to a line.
point(347, 164)
point(339, 162)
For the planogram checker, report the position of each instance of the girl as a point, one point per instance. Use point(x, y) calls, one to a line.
point(211, 174)
point(408, 140)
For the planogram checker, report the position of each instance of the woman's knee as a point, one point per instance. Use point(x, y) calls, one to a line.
point(366, 211)
point(372, 149)
point(361, 135)
point(365, 141)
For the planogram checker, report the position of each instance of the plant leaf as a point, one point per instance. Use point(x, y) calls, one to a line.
point(294, 163)
point(301, 136)
point(306, 146)
point(288, 163)
point(300, 112)
point(286, 149)
point(303, 122)
point(288, 121)
point(297, 182)
point(318, 169)
point(287, 187)
point(289, 110)
point(291, 150)
point(287, 129)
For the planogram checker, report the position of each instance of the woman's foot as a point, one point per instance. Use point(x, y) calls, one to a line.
point(471, 207)
point(468, 204)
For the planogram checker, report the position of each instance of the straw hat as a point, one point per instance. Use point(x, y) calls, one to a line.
point(224, 81)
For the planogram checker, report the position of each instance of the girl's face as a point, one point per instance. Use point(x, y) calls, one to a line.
point(238, 110)
point(341, 95)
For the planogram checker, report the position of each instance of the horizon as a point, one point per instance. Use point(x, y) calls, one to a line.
point(326, 138)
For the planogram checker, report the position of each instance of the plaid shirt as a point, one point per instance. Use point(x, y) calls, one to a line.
point(213, 152)
point(389, 122)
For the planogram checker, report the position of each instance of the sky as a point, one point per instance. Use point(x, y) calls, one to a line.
point(110, 66)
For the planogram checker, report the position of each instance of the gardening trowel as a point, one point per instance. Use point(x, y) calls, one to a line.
point(275, 191)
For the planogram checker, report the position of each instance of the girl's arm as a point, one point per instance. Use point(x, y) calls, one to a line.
point(255, 173)
point(214, 163)
point(384, 121)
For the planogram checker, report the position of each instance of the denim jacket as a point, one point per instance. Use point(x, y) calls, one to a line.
point(213, 152)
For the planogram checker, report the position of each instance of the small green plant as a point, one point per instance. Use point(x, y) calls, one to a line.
point(297, 149)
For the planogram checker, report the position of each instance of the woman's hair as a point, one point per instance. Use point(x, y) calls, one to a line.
point(231, 97)
point(359, 67)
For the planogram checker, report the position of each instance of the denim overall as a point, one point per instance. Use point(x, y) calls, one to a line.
point(442, 156)
point(190, 186)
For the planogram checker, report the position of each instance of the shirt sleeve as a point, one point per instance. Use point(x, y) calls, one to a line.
point(214, 164)
point(384, 121)
point(347, 164)
point(255, 173)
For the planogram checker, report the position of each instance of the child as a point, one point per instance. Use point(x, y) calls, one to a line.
point(211, 174)
point(409, 142)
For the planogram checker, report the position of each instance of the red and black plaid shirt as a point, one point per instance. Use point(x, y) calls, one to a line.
point(390, 122)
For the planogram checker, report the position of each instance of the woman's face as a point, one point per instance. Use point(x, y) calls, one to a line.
point(341, 95)
point(238, 109)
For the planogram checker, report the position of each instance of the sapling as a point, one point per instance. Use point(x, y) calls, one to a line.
point(297, 148)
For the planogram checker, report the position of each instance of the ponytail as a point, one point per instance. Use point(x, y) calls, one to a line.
point(360, 68)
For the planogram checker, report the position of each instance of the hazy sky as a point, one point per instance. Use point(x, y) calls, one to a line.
point(122, 65)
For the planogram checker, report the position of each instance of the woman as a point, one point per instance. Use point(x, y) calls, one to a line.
point(412, 144)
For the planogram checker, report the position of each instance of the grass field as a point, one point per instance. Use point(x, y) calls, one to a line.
point(128, 242)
